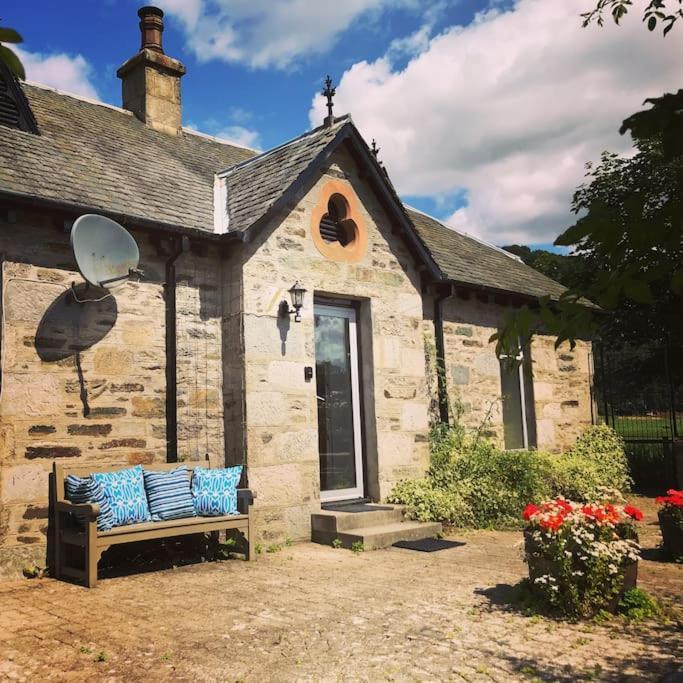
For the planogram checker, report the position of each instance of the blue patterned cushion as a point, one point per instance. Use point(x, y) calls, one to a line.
point(85, 490)
point(215, 491)
point(125, 491)
point(168, 494)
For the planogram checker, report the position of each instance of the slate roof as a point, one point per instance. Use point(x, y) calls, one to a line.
point(466, 260)
point(102, 157)
point(256, 184)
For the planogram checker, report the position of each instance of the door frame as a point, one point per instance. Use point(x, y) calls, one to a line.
point(351, 314)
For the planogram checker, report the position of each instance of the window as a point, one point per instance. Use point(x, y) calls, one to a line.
point(334, 225)
point(337, 226)
point(9, 114)
point(14, 109)
point(517, 391)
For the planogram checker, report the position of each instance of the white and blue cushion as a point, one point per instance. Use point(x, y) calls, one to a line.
point(84, 490)
point(168, 494)
point(125, 492)
point(215, 491)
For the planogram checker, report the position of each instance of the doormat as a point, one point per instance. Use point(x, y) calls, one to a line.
point(428, 545)
point(354, 507)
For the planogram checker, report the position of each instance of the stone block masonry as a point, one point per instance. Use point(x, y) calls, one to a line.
point(86, 382)
point(281, 410)
point(561, 378)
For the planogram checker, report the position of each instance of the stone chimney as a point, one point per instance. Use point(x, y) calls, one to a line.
point(151, 79)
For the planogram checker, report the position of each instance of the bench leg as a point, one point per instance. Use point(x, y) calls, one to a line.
point(58, 547)
point(92, 555)
point(251, 541)
point(214, 538)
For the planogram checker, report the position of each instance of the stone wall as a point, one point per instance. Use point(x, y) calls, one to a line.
point(86, 382)
point(562, 391)
point(233, 361)
point(281, 410)
point(199, 309)
point(561, 379)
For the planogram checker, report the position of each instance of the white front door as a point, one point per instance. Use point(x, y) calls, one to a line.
point(340, 444)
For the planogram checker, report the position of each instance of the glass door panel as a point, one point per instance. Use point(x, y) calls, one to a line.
point(339, 442)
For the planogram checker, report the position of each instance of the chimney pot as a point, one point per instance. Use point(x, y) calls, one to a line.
point(150, 79)
point(151, 28)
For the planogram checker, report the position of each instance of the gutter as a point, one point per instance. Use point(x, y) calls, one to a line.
point(441, 382)
point(127, 220)
point(181, 245)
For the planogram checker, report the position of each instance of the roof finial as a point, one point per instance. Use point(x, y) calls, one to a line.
point(329, 93)
point(374, 148)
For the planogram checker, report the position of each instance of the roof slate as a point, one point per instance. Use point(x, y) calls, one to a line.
point(256, 184)
point(466, 260)
point(103, 157)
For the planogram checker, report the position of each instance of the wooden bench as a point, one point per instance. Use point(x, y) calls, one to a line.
point(70, 532)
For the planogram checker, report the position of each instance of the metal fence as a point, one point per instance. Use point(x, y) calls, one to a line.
point(639, 392)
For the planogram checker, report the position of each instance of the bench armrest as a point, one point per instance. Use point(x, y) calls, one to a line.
point(90, 509)
point(245, 498)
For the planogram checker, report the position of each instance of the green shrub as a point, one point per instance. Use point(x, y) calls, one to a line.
point(472, 483)
point(576, 477)
point(637, 605)
point(603, 447)
point(427, 503)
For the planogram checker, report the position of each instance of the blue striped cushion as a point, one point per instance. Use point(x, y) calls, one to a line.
point(125, 491)
point(85, 490)
point(215, 491)
point(168, 494)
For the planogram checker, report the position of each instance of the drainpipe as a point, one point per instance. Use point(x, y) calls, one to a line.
point(442, 384)
point(179, 245)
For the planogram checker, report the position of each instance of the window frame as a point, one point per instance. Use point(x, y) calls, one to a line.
point(523, 362)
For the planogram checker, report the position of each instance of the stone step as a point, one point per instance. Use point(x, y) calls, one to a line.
point(336, 520)
point(380, 536)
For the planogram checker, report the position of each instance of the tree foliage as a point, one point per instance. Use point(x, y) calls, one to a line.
point(9, 35)
point(629, 233)
point(657, 12)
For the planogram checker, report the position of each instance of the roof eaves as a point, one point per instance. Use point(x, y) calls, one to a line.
point(130, 220)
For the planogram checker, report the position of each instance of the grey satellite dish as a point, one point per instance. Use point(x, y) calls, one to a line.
point(106, 254)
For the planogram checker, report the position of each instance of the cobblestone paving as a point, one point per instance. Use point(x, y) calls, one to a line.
point(312, 613)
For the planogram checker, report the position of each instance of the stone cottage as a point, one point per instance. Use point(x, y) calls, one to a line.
point(202, 353)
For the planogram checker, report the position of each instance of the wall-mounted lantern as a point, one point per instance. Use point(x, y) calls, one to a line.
point(296, 292)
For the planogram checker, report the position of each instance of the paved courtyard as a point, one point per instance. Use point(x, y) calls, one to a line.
point(310, 613)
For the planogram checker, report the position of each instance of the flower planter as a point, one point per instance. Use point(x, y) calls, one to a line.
point(582, 557)
point(538, 566)
point(672, 535)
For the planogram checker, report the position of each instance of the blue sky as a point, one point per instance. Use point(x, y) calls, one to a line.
point(485, 110)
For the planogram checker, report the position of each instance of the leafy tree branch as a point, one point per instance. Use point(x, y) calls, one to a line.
point(10, 59)
point(629, 235)
point(656, 12)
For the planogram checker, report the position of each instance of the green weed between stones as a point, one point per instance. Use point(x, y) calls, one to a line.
point(357, 547)
point(337, 543)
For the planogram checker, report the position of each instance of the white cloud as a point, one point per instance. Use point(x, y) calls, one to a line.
point(508, 110)
point(263, 33)
point(72, 74)
point(239, 135)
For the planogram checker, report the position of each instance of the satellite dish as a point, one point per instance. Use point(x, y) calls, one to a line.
point(105, 253)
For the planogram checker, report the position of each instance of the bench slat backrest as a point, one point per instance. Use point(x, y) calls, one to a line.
point(62, 471)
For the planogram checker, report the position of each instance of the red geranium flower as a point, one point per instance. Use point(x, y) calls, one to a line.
point(633, 512)
point(529, 510)
point(673, 497)
point(552, 522)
